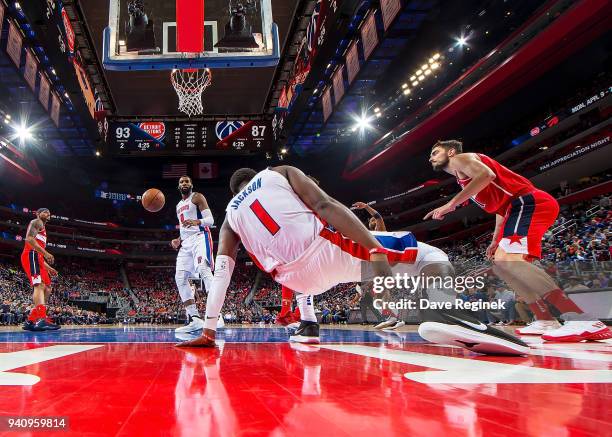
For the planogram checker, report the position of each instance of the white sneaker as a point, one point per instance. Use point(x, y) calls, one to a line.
point(294, 325)
point(538, 327)
point(579, 330)
point(391, 320)
point(398, 324)
point(195, 324)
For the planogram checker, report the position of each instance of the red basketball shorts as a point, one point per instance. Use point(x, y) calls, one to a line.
point(527, 219)
point(34, 266)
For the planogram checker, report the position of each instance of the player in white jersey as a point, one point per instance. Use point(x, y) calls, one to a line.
point(310, 242)
point(195, 249)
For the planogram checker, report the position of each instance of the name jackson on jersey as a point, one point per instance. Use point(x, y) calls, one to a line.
point(256, 184)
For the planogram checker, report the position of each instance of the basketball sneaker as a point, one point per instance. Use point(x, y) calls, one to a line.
point(459, 329)
point(538, 327)
point(201, 341)
point(390, 321)
point(308, 332)
point(30, 325)
point(49, 325)
point(195, 324)
point(579, 330)
point(398, 324)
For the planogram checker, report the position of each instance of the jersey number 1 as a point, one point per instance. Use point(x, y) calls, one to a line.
point(265, 218)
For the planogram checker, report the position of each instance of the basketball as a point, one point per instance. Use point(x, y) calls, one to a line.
point(153, 200)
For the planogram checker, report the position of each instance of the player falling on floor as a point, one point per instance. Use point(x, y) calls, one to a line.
point(36, 262)
point(523, 214)
point(310, 242)
point(195, 250)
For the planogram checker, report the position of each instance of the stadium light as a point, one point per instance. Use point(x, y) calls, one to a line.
point(418, 72)
point(8, 116)
point(415, 82)
point(423, 67)
point(23, 132)
point(406, 91)
point(435, 65)
point(421, 77)
point(436, 56)
point(97, 153)
point(427, 72)
point(461, 41)
point(283, 151)
point(377, 109)
point(363, 123)
point(404, 86)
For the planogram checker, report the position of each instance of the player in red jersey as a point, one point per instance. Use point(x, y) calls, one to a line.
point(523, 214)
point(36, 262)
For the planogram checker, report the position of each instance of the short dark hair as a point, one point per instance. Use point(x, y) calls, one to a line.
point(185, 176)
point(449, 144)
point(241, 176)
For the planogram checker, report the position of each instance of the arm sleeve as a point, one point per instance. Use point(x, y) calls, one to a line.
point(207, 218)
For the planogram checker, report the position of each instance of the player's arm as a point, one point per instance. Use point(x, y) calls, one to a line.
point(34, 228)
point(380, 222)
point(481, 176)
point(50, 269)
point(499, 222)
point(328, 208)
point(207, 219)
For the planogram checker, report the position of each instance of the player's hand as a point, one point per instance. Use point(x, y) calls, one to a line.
point(176, 243)
point(52, 271)
point(359, 205)
point(191, 222)
point(439, 213)
point(49, 258)
point(492, 249)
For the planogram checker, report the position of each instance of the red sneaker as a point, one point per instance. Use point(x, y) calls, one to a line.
point(203, 341)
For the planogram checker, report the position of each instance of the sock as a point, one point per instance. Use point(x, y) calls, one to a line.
point(306, 307)
point(38, 312)
point(559, 300)
point(192, 310)
point(568, 309)
point(286, 298)
point(297, 314)
point(540, 310)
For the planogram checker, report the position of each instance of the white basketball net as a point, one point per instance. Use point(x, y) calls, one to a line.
point(189, 85)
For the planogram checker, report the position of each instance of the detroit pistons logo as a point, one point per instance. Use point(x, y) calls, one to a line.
point(224, 129)
point(156, 129)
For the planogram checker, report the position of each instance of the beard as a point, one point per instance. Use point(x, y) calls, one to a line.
point(185, 191)
point(441, 166)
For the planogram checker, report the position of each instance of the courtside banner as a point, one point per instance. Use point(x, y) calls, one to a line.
point(575, 153)
point(326, 104)
point(43, 92)
point(31, 68)
point(14, 44)
point(338, 83)
point(352, 62)
point(55, 109)
point(389, 9)
point(369, 35)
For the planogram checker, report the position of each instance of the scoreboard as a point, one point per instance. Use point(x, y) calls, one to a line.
point(187, 138)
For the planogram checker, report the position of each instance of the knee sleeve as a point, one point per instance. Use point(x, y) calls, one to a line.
point(182, 282)
point(206, 275)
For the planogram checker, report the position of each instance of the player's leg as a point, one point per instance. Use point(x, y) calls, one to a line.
point(454, 326)
point(49, 324)
point(185, 270)
point(308, 331)
point(285, 316)
point(529, 218)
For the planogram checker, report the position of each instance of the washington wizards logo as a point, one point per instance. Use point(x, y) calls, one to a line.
point(223, 129)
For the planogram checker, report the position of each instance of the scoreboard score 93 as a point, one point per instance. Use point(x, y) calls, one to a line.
point(198, 137)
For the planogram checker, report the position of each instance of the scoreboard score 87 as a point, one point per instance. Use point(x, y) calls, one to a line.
point(198, 137)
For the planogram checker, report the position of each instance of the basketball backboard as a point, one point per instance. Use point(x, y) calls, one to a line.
point(167, 34)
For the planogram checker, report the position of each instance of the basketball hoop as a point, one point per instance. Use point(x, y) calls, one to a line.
point(189, 85)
